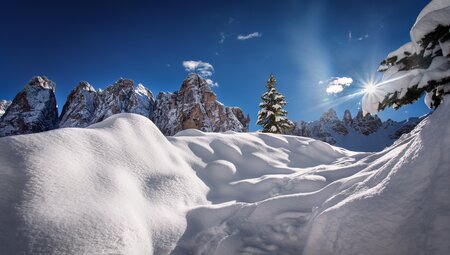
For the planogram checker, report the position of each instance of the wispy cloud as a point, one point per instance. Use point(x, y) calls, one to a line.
point(231, 20)
point(222, 37)
point(350, 35)
point(336, 85)
point(204, 69)
point(363, 37)
point(249, 36)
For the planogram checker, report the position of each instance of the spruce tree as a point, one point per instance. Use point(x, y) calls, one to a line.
point(272, 116)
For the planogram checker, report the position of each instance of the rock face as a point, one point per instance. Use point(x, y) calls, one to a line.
point(4, 104)
point(33, 110)
point(362, 133)
point(86, 106)
point(196, 106)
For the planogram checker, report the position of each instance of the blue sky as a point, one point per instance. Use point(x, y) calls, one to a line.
point(301, 42)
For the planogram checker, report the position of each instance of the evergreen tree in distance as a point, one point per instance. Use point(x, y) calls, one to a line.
point(272, 116)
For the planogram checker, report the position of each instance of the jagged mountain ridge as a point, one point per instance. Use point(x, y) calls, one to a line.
point(361, 133)
point(86, 106)
point(195, 106)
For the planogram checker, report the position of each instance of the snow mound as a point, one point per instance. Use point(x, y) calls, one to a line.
point(117, 187)
point(391, 202)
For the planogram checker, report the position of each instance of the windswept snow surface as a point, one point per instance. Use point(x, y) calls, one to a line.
point(121, 187)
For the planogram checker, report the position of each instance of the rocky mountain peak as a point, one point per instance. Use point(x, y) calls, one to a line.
point(125, 85)
point(347, 119)
point(33, 109)
point(86, 106)
point(366, 124)
point(40, 82)
point(195, 106)
point(142, 90)
point(84, 86)
point(354, 133)
point(329, 116)
point(79, 106)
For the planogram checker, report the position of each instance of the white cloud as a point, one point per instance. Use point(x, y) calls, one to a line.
point(334, 89)
point(211, 83)
point(350, 35)
point(249, 36)
point(204, 69)
point(337, 84)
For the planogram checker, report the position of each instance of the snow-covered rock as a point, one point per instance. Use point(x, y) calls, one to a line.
point(4, 104)
point(33, 110)
point(121, 187)
point(79, 108)
point(362, 133)
point(366, 125)
point(195, 106)
point(85, 106)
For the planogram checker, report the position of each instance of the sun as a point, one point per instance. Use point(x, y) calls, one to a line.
point(370, 88)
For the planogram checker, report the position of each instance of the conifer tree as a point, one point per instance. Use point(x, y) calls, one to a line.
point(272, 116)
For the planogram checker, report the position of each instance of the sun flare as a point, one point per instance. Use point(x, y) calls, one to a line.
point(370, 88)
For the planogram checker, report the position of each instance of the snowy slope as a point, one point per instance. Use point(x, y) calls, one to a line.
point(121, 187)
point(319, 199)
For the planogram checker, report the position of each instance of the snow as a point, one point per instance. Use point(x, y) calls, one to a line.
point(122, 187)
point(4, 104)
point(116, 187)
point(434, 14)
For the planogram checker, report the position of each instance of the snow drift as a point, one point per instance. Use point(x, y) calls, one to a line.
point(117, 187)
point(121, 187)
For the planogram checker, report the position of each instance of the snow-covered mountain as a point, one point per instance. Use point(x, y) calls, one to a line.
point(86, 106)
point(195, 105)
point(362, 133)
point(33, 110)
point(121, 187)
